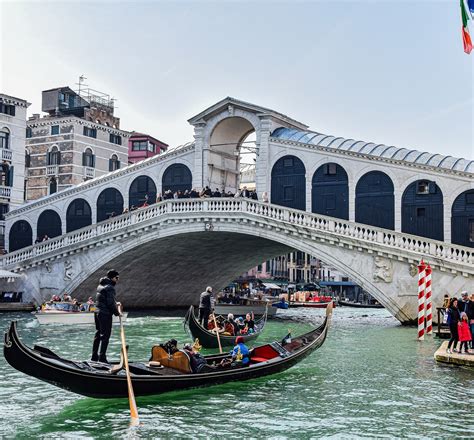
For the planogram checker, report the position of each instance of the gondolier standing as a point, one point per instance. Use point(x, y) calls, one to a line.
point(205, 306)
point(106, 308)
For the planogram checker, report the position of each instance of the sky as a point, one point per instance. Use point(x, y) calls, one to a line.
point(391, 72)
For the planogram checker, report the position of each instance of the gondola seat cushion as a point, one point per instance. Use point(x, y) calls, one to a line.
point(262, 354)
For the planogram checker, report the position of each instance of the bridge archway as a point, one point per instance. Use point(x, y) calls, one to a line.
point(289, 183)
point(462, 219)
point(78, 215)
point(226, 141)
point(21, 235)
point(109, 203)
point(177, 177)
point(422, 210)
point(49, 223)
point(142, 190)
point(375, 200)
point(330, 191)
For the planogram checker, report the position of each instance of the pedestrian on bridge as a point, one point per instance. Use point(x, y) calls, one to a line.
point(106, 308)
point(205, 306)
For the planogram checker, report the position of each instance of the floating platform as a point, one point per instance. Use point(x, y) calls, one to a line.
point(17, 307)
point(453, 358)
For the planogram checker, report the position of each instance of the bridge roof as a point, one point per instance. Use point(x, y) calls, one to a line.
point(380, 150)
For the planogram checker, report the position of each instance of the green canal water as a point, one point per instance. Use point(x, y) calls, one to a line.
point(371, 378)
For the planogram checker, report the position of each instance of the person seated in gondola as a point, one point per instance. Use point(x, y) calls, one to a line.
point(240, 353)
point(240, 324)
point(170, 346)
point(67, 297)
point(198, 361)
point(250, 323)
point(230, 325)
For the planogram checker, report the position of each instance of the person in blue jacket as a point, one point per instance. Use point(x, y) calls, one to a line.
point(240, 353)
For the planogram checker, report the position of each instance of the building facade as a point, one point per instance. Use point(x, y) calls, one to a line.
point(12, 149)
point(78, 140)
point(141, 146)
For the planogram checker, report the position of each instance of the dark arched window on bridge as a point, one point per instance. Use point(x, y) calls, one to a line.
point(289, 183)
point(109, 204)
point(142, 190)
point(78, 215)
point(49, 223)
point(21, 235)
point(422, 210)
point(462, 219)
point(375, 202)
point(330, 191)
point(177, 177)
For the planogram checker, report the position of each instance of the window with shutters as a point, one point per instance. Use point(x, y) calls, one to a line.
point(53, 185)
point(90, 132)
point(29, 132)
point(7, 109)
point(114, 163)
point(88, 158)
point(115, 139)
point(4, 138)
point(54, 129)
point(54, 156)
point(27, 159)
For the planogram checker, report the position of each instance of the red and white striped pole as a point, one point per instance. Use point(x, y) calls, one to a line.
point(429, 313)
point(421, 300)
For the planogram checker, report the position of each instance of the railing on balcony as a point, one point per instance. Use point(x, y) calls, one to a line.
point(89, 172)
point(52, 170)
point(6, 154)
point(5, 192)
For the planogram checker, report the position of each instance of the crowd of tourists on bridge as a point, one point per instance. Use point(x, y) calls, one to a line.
point(459, 316)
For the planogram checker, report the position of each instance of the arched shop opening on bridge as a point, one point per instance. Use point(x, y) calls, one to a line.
point(21, 235)
point(330, 191)
point(422, 210)
point(177, 177)
point(49, 224)
point(289, 183)
point(375, 200)
point(462, 219)
point(78, 215)
point(142, 190)
point(109, 204)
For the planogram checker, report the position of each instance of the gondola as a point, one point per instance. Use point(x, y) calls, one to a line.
point(209, 340)
point(99, 380)
point(360, 305)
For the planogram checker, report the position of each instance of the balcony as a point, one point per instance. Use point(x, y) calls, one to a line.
point(52, 170)
point(6, 154)
point(89, 172)
point(5, 192)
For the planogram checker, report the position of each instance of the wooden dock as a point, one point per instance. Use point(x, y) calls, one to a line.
point(453, 358)
point(16, 307)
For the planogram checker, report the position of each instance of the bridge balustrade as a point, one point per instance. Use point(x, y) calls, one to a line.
point(339, 228)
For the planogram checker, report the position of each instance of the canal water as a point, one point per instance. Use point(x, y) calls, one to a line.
point(371, 378)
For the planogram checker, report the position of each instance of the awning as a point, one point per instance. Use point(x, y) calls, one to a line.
point(271, 286)
point(9, 276)
point(337, 283)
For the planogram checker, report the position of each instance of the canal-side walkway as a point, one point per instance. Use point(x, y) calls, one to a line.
point(453, 358)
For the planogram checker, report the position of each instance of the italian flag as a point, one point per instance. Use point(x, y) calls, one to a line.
point(466, 16)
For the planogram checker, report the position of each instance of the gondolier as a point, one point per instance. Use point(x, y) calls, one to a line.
point(106, 308)
point(205, 306)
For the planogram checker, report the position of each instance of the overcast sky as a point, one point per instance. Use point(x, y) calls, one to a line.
point(390, 72)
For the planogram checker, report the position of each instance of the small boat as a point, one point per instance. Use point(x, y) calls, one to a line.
point(209, 339)
point(99, 380)
point(282, 304)
point(69, 313)
point(314, 304)
point(360, 305)
point(256, 306)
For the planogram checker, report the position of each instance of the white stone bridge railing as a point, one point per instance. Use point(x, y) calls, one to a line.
point(354, 235)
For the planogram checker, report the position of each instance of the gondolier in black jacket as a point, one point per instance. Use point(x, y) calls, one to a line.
point(106, 308)
point(205, 306)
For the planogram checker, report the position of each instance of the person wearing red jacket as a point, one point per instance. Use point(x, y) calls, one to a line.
point(464, 333)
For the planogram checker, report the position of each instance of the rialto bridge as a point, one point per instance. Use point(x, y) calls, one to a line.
point(369, 210)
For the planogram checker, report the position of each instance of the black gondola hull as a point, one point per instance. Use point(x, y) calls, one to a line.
point(67, 374)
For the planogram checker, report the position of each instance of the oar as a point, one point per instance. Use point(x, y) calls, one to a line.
point(134, 420)
point(217, 333)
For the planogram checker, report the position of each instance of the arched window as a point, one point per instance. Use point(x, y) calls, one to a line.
point(27, 159)
point(88, 158)
point(142, 190)
point(109, 204)
point(375, 202)
point(78, 215)
point(289, 183)
point(49, 223)
point(330, 191)
point(53, 185)
point(5, 179)
point(462, 219)
point(177, 177)
point(422, 210)
point(114, 163)
point(21, 235)
point(4, 138)
point(54, 156)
